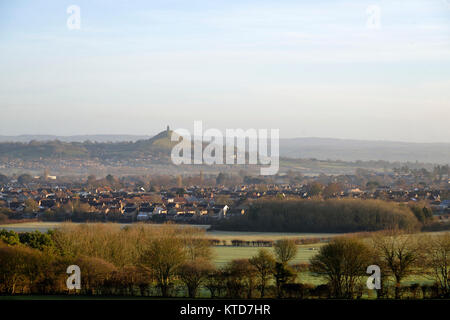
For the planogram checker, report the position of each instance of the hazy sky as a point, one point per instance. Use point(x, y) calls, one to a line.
point(309, 68)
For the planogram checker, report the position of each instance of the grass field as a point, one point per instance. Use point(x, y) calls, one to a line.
point(224, 254)
point(30, 226)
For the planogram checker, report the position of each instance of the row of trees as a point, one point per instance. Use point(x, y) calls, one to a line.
point(134, 261)
point(344, 215)
point(169, 260)
point(108, 255)
point(400, 256)
point(264, 243)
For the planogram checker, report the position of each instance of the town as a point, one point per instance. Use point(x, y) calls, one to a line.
point(204, 199)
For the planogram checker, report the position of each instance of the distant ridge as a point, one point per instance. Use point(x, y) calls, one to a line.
point(158, 146)
point(353, 150)
point(297, 148)
point(75, 138)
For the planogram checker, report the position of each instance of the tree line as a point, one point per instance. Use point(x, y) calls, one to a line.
point(264, 243)
point(170, 260)
point(332, 215)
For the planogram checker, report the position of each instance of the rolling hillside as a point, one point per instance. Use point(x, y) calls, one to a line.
point(126, 146)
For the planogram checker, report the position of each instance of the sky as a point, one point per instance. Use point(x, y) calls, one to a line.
point(368, 70)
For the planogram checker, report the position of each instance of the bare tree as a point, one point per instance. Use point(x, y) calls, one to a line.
point(164, 254)
point(342, 262)
point(264, 263)
point(398, 254)
point(285, 250)
point(214, 282)
point(241, 278)
point(437, 261)
point(194, 273)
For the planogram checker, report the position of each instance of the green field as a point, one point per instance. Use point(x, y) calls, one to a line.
point(30, 226)
point(224, 254)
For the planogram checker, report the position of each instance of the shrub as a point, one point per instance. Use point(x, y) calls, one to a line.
point(9, 237)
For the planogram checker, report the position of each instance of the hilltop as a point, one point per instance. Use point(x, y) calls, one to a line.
point(86, 146)
point(158, 145)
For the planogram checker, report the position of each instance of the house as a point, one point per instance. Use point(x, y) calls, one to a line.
point(145, 213)
point(218, 212)
point(16, 206)
point(175, 211)
point(130, 213)
point(159, 210)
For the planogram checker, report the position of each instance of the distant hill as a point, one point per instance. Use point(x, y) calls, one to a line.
point(76, 138)
point(134, 146)
point(353, 150)
point(159, 145)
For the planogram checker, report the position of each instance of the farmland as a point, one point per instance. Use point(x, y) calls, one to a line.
point(225, 252)
point(222, 253)
point(116, 247)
